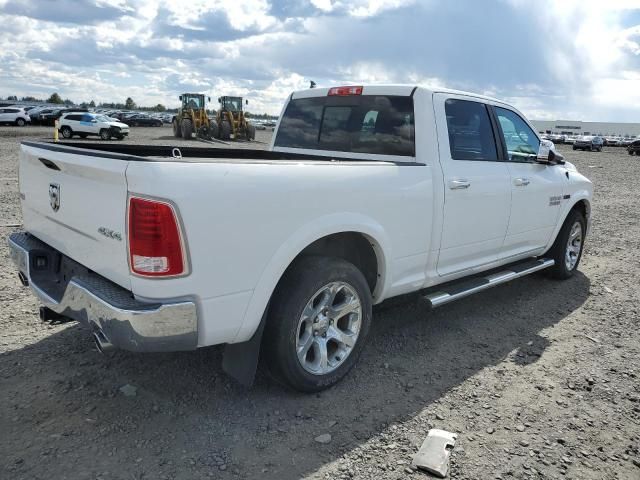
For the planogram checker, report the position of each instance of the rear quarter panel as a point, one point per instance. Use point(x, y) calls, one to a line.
point(246, 221)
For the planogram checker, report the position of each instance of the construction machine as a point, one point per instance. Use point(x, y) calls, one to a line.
point(232, 120)
point(192, 118)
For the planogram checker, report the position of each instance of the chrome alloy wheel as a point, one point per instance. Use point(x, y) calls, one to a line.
point(574, 245)
point(328, 328)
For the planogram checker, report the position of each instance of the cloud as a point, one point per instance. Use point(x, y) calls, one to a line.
point(553, 59)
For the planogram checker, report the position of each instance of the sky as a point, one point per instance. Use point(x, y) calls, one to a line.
point(553, 59)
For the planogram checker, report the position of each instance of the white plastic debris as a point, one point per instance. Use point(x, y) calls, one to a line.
point(434, 453)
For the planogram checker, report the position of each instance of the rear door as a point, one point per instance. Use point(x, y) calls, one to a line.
point(476, 184)
point(76, 202)
point(537, 189)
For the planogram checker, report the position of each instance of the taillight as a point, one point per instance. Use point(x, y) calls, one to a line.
point(155, 243)
point(341, 91)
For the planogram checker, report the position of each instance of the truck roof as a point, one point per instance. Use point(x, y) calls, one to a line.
point(390, 89)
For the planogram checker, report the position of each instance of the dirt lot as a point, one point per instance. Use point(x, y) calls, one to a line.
point(539, 378)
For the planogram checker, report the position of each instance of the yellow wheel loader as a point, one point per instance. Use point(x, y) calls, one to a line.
point(232, 120)
point(192, 118)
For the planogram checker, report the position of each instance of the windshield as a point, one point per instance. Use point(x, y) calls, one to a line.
point(233, 104)
point(373, 124)
point(192, 101)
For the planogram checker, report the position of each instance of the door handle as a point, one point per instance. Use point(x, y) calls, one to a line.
point(521, 182)
point(459, 184)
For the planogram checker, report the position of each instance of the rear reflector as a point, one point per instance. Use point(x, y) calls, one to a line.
point(155, 243)
point(340, 91)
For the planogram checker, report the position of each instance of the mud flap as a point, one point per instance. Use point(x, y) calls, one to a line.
point(240, 360)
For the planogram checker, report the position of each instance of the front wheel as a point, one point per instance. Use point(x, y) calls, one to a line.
point(21, 122)
point(105, 134)
point(567, 249)
point(318, 323)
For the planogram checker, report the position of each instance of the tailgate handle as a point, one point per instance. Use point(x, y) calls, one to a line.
point(49, 164)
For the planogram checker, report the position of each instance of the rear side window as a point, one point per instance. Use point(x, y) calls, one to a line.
point(11, 110)
point(372, 124)
point(470, 132)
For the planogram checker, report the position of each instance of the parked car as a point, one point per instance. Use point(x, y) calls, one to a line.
point(156, 248)
point(85, 124)
point(634, 147)
point(588, 142)
point(14, 116)
point(139, 120)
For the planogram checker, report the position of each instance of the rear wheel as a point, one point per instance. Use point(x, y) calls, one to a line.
point(318, 323)
point(214, 131)
point(567, 249)
point(66, 132)
point(21, 122)
point(575, 148)
point(177, 131)
point(251, 132)
point(225, 130)
point(105, 134)
point(187, 129)
point(630, 152)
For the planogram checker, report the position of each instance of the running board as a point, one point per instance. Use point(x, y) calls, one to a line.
point(464, 288)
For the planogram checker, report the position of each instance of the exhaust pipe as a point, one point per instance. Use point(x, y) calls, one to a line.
point(102, 342)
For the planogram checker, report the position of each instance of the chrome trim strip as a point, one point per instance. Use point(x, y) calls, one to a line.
point(440, 298)
point(153, 328)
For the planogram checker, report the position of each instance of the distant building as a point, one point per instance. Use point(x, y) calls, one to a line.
point(574, 127)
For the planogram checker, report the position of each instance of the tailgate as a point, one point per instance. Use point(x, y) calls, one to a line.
point(76, 203)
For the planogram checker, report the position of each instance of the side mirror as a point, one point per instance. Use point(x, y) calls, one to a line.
point(180, 97)
point(219, 100)
point(547, 154)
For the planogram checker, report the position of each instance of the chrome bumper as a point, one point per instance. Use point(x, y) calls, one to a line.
point(104, 307)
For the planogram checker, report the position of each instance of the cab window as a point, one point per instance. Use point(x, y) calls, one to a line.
point(520, 140)
point(470, 133)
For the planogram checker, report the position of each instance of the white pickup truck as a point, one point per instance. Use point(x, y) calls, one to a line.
point(366, 193)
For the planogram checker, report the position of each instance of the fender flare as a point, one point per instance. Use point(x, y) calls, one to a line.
point(296, 243)
point(579, 196)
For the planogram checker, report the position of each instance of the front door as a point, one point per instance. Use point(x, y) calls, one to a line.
point(537, 189)
point(477, 191)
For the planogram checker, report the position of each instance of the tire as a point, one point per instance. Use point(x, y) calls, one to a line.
point(120, 137)
point(630, 152)
point(105, 134)
point(66, 132)
point(21, 122)
point(225, 130)
point(214, 131)
point(575, 148)
point(187, 129)
point(599, 149)
point(565, 268)
point(251, 132)
point(312, 279)
point(177, 131)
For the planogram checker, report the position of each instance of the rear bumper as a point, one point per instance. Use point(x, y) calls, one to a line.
point(101, 305)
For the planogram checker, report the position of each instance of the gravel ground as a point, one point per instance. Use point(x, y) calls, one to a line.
point(539, 378)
